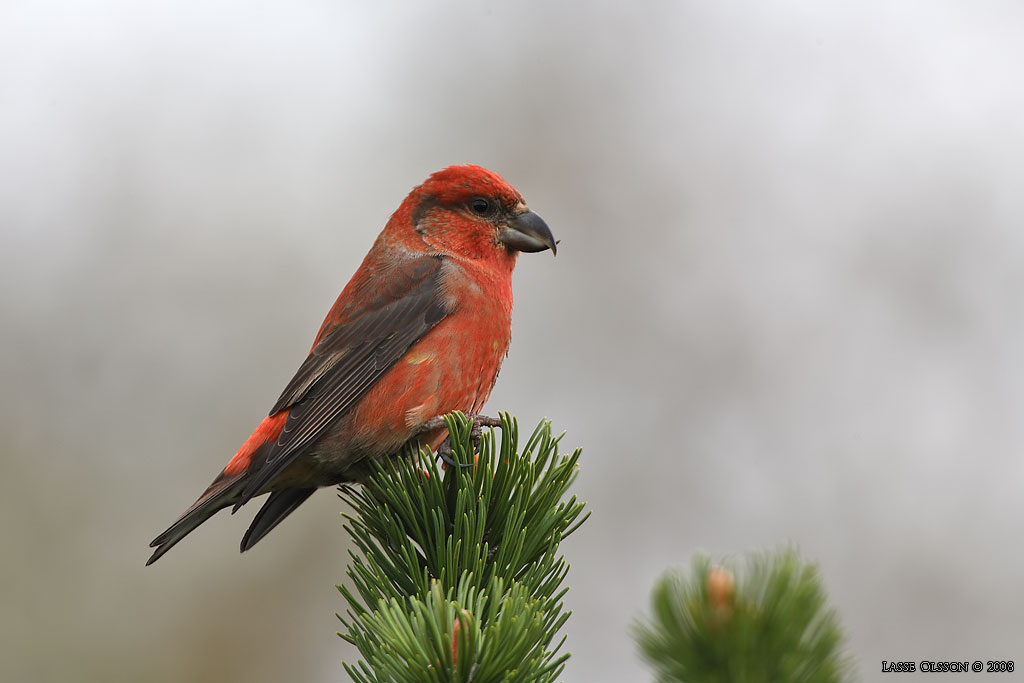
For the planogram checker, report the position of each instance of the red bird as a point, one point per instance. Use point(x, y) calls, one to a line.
point(420, 330)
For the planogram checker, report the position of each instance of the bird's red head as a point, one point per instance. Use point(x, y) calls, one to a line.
point(468, 212)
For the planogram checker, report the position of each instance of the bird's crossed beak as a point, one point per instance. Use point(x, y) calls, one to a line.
point(527, 231)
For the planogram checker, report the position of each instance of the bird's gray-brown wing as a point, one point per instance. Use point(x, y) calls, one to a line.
point(349, 359)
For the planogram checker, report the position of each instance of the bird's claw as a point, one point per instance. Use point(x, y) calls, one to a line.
point(444, 451)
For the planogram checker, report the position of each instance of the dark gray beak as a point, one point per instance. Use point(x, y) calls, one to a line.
point(528, 232)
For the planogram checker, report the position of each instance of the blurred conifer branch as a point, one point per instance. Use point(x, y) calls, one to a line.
point(769, 623)
point(459, 576)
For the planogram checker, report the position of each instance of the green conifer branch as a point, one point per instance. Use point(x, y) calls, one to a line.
point(768, 623)
point(458, 575)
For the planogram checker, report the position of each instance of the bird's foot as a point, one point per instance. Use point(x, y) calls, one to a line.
point(444, 451)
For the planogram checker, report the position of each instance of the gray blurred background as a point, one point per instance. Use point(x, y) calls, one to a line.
point(786, 307)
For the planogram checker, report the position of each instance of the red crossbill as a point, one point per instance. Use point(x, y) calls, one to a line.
point(420, 330)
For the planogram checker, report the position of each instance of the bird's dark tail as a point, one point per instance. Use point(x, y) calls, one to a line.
point(222, 493)
point(279, 505)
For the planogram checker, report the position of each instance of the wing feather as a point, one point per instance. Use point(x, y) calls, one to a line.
point(347, 361)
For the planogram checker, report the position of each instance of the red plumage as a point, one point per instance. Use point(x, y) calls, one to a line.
point(420, 330)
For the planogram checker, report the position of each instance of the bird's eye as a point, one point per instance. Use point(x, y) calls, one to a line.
point(480, 206)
